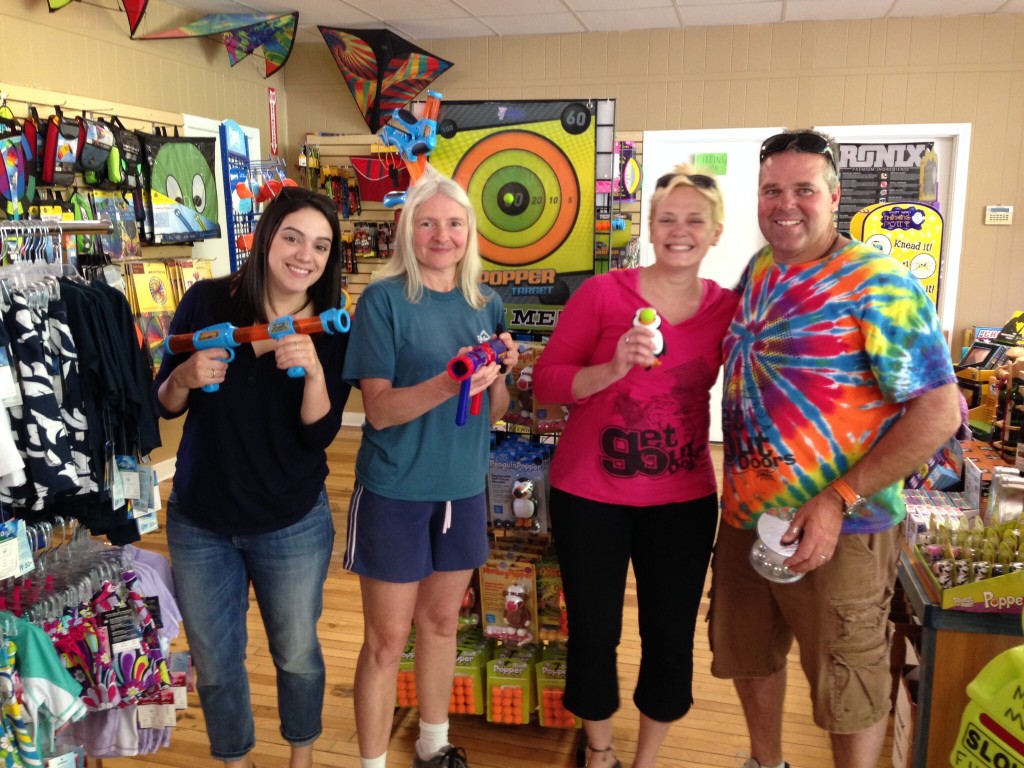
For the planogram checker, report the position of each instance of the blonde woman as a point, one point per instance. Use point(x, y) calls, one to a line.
point(418, 522)
point(632, 480)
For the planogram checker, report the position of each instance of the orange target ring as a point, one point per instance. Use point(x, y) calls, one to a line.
point(567, 202)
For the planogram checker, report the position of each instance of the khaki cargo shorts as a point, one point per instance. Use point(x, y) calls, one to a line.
point(838, 614)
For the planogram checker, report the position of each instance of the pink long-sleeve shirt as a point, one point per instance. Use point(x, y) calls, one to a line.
point(643, 440)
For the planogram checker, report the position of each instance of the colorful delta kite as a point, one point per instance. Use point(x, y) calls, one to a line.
point(242, 34)
point(383, 71)
point(134, 9)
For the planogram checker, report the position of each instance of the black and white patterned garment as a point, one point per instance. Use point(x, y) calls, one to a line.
point(38, 426)
point(61, 345)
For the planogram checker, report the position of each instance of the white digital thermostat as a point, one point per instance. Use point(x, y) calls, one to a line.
point(998, 214)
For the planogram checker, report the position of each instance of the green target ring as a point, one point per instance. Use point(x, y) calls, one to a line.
point(513, 196)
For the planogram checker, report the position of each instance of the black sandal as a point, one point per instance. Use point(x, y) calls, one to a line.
point(616, 764)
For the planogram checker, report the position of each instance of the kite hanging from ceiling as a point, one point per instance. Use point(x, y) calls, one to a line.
point(242, 34)
point(384, 71)
point(134, 9)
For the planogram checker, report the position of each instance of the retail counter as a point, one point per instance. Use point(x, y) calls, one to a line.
point(955, 646)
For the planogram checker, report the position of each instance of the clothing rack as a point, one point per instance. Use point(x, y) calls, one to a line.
point(39, 226)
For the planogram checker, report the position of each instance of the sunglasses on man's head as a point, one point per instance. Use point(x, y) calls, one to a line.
point(697, 179)
point(804, 141)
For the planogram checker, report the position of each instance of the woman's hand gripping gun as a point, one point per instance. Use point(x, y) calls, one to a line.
point(462, 368)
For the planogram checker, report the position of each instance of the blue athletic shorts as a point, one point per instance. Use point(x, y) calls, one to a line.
point(402, 541)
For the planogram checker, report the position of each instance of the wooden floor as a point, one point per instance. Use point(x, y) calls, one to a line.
point(711, 735)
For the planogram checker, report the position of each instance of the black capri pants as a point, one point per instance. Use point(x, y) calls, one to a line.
point(670, 546)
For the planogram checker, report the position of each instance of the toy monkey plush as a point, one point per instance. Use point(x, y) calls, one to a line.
point(517, 613)
point(524, 383)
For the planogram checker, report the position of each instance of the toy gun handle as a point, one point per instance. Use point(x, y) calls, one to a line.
point(285, 326)
point(336, 320)
point(220, 336)
point(462, 409)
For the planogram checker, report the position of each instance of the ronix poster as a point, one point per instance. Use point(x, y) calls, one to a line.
point(890, 201)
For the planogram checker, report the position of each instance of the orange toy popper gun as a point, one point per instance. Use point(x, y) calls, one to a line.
point(227, 336)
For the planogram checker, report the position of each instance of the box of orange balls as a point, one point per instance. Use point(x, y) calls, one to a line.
point(550, 690)
point(510, 692)
point(473, 652)
point(406, 691)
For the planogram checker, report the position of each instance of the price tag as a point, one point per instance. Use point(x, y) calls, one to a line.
point(157, 716)
point(124, 629)
point(180, 696)
point(9, 556)
point(26, 563)
point(67, 760)
point(128, 468)
point(9, 392)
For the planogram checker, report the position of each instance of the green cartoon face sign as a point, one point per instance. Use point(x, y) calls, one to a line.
point(182, 173)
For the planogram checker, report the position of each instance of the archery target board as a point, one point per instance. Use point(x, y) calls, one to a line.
point(528, 169)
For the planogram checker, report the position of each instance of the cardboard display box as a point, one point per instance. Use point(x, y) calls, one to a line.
point(999, 594)
point(904, 717)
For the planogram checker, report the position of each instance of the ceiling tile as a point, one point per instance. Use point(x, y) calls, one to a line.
point(486, 8)
point(395, 10)
point(329, 13)
point(690, 3)
point(551, 23)
point(732, 13)
point(629, 18)
point(615, 5)
point(312, 12)
point(827, 10)
point(943, 7)
point(425, 29)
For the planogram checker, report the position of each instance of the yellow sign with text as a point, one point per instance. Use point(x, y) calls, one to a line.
point(910, 233)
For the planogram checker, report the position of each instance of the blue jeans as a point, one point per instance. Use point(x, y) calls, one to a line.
point(287, 569)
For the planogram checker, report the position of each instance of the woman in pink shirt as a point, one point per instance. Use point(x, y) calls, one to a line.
point(632, 479)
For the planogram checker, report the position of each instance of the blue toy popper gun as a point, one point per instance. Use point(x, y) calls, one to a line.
point(227, 336)
point(414, 141)
point(462, 368)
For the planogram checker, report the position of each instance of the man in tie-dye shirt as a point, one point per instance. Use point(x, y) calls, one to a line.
point(838, 384)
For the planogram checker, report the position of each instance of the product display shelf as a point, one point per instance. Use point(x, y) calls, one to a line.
point(955, 646)
point(336, 152)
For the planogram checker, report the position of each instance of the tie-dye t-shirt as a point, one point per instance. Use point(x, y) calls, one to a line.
point(818, 359)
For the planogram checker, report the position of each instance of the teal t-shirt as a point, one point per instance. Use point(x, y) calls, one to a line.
point(429, 458)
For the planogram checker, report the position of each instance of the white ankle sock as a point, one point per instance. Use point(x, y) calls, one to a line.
point(373, 762)
point(433, 738)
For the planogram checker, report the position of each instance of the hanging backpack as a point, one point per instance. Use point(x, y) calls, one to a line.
point(124, 163)
point(17, 154)
point(180, 190)
point(60, 152)
point(82, 206)
point(95, 141)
